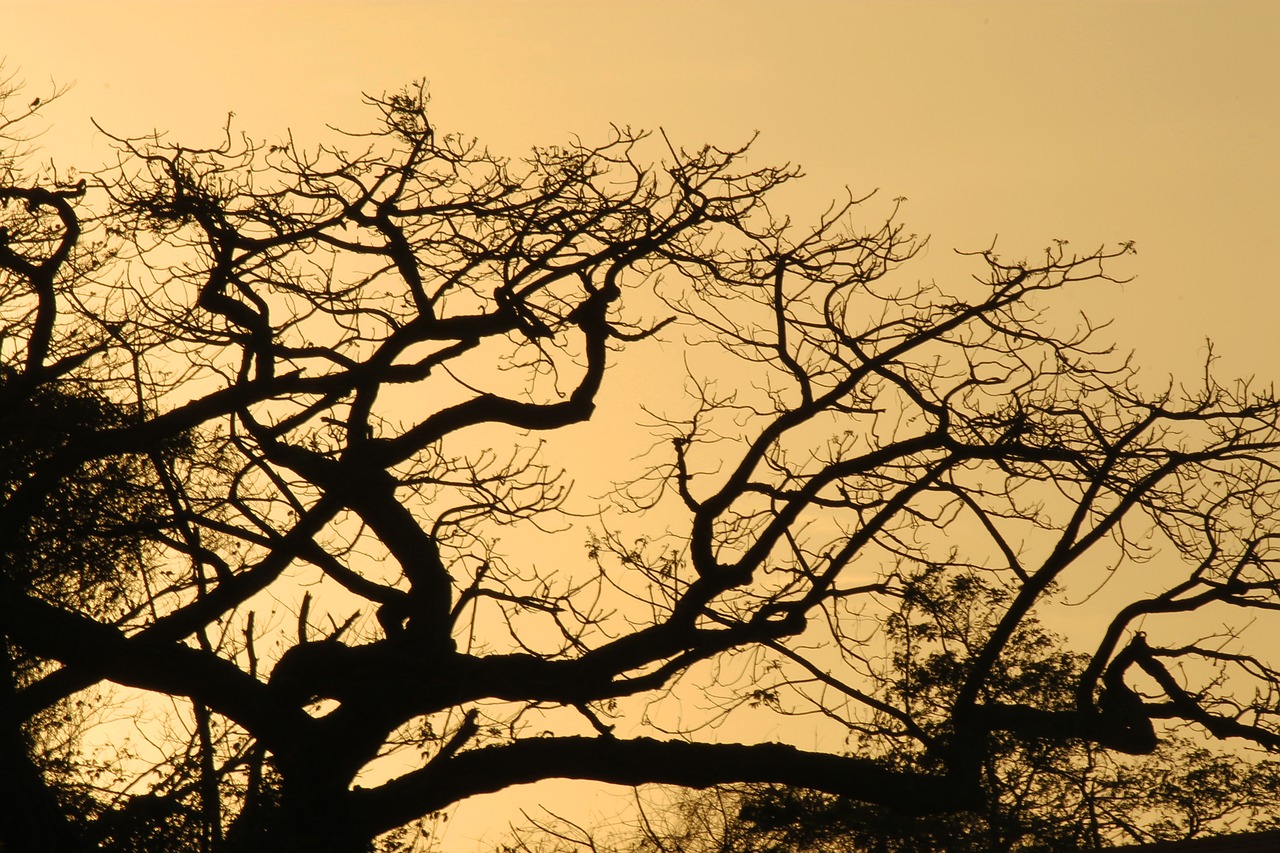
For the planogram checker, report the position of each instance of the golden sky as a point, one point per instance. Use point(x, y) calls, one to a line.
point(1157, 122)
point(1095, 122)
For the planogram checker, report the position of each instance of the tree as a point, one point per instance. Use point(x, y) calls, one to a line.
point(1038, 795)
point(1182, 791)
point(322, 379)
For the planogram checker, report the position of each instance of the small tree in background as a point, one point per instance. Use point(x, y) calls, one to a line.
point(278, 472)
point(1039, 795)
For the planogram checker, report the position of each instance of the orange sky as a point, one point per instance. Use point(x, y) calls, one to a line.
point(1089, 121)
point(1155, 122)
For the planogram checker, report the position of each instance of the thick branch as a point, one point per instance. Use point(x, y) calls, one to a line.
point(642, 760)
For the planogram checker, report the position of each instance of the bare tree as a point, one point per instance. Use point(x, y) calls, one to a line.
point(1039, 794)
point(322, 376)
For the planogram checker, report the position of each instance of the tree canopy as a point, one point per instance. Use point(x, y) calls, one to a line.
point(283, 435)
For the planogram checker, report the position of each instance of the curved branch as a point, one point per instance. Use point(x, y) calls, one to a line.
point(643, 760)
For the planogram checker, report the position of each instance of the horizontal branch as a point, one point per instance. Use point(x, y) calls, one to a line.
point(644, 761)
point(103, 652)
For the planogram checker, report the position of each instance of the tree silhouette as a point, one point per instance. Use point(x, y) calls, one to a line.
point(1038, 794)
point(284, 414)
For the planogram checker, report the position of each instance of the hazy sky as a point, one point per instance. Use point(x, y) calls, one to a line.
point(1092, 122)
point(1145, 121)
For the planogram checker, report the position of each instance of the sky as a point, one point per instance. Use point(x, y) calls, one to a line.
point(1019, 122)
point(1087, 121)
